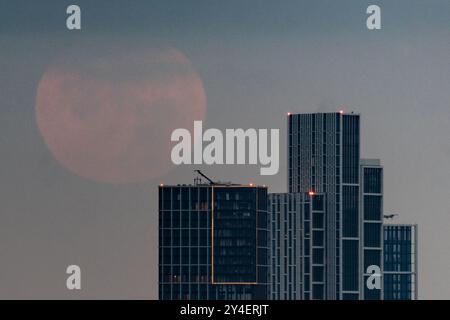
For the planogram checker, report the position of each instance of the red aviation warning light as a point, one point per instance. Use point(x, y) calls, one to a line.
point(311, 193)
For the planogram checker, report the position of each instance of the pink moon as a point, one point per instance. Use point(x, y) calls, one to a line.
point(109, 118)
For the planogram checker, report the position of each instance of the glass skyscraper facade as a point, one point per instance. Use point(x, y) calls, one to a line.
point(213, 242)
point(371, 207)
point(400, 262)
point(297, 240)
point(324, 157)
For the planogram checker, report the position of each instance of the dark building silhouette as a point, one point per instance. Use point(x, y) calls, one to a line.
point(213, 242)
point(400, 262)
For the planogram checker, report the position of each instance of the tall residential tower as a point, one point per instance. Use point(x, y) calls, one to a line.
point(213, 242)
point(371, 207)
point(297, 245)
point(324, 157)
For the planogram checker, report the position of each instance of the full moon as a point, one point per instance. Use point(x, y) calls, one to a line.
point(109, 117)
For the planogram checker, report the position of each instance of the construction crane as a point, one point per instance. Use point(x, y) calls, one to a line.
point(390, 216)
point(204, 176)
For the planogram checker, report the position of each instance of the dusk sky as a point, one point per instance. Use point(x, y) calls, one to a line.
point(136, 72)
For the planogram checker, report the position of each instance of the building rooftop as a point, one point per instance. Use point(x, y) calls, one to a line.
point(217, 184)
point(370, 162)
point(344, 112)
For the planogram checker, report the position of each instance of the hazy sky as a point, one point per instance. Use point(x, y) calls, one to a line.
point(257, 60)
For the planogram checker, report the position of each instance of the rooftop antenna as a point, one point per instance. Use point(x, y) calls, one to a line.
point(197, 181)
point(204, 176)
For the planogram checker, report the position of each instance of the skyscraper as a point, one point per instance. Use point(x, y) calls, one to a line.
point(324, 239)
point(213, 242)
point(324, 157)
point(297, 240)
point(400, 262)
point(371, 206)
